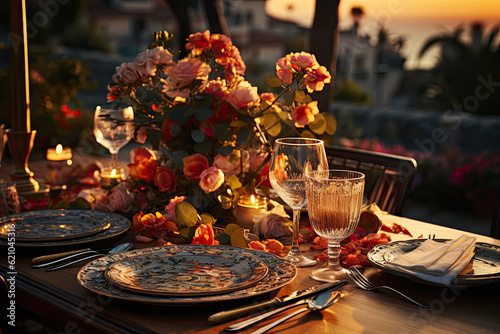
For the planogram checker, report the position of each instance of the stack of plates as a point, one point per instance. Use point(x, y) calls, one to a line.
point(186, 274)
point(61, 227)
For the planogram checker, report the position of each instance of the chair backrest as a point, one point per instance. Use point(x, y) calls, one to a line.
point(388, 177)
point(495, 222)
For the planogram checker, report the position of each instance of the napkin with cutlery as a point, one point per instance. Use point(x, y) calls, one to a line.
point(436, 262)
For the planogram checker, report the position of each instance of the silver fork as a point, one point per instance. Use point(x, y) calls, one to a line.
point(362, 282)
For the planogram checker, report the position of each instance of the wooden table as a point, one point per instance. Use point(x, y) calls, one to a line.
point(57, 297)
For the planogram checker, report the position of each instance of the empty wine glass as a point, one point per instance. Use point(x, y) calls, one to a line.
point(291, 160)
point(113, 129)
point(334, 200)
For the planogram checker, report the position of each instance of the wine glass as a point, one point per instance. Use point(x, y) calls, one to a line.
point(291, 160)
point(113, 129)
point(334, 201)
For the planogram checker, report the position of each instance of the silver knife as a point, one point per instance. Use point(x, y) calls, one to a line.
point(273, 303)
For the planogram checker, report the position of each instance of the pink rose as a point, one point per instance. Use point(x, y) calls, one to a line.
point(142, 135)
point(231, 164)
point(170, 207)
point(194, 165)
point(187, 70)
point(269, 97)
point(284, 70)
point(243, 96)
point(165, 179)
point(211, 179)
point(217, 88)
point(127, 72)
point(302, 60)
point(121, 197)
point(316, 79)
point(304, 114)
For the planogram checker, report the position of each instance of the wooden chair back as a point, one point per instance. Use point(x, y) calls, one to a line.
point(388, 177)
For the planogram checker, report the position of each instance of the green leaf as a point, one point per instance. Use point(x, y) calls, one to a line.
point(230, 228)
point(198, 136)
point(274, 82)
point(242, 136)
point(233, 182)
point(319, 124)
point(203, 100)
point(181, 114)
point(224, 239)
point(178, 156)
point(225, 150)
point(187, 234)
point(271, 123)
point(202, 114)
point(207, 218)
point(79, 203)
point(186, 214)
point(331, 123)
point(204, 147)
point(238, 238)
point(238, 124)
point(225, 201)
point(289, 97)
point(221, 131)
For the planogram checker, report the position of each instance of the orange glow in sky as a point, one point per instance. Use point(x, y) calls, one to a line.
point(425, 9)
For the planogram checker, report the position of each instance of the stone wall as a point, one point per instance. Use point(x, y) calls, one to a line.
point(430, 132)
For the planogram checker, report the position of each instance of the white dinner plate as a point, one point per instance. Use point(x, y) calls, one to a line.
point(484, 267)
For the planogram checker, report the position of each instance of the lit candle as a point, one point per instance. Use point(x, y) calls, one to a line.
point(59, 153)
point(250, 209)
point(111, 176)
point(59, 166)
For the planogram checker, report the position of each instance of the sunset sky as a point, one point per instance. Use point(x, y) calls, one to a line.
point(414, 20)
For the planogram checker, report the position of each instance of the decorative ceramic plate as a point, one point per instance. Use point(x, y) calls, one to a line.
point(280, 273)
point(97, 225)
point(50, 225)
point(484, 267)
point(187, 272)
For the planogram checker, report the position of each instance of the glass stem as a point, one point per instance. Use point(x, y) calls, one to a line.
point(114, 160)
point(333, 254)
point(295, 250)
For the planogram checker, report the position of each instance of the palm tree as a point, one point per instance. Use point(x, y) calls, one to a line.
point(464, 66)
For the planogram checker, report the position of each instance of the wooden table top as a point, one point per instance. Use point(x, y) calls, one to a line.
point(57, 296)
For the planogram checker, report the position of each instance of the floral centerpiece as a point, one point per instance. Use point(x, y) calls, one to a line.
point(211, 131)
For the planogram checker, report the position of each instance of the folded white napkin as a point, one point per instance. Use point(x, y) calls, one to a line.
point(436, 262)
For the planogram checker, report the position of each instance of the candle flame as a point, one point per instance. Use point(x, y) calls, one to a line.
point(59, 149)
point(252, 199)
point(113, 172)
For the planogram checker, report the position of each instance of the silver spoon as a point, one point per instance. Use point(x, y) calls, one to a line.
point(316, 304)
point(253, 320)
point(117, 249)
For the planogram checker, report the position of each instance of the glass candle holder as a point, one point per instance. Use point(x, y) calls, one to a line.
point(110, 177)
point(58, 165)
point(250, 209)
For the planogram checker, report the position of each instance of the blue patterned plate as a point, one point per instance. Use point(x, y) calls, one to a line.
point(91, 276)
point(61, 227)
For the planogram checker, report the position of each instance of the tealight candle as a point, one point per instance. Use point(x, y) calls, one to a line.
point(111, 176)
point(59, 160)
point(59, 153)
point(250, 209)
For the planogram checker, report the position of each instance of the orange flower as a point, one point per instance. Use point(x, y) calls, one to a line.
point(316, 79)
point(304, 114)
point(284, 70)
point(303, 60)
point(204, 235)
point(243, 96)
point(155, 226)
point(199, 42)
point(194, 165)
point(143, 164)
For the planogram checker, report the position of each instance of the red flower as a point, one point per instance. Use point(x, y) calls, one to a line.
point(165, 179)
point(143, 164)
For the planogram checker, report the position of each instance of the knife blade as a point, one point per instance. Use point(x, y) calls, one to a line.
point(273, 303)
